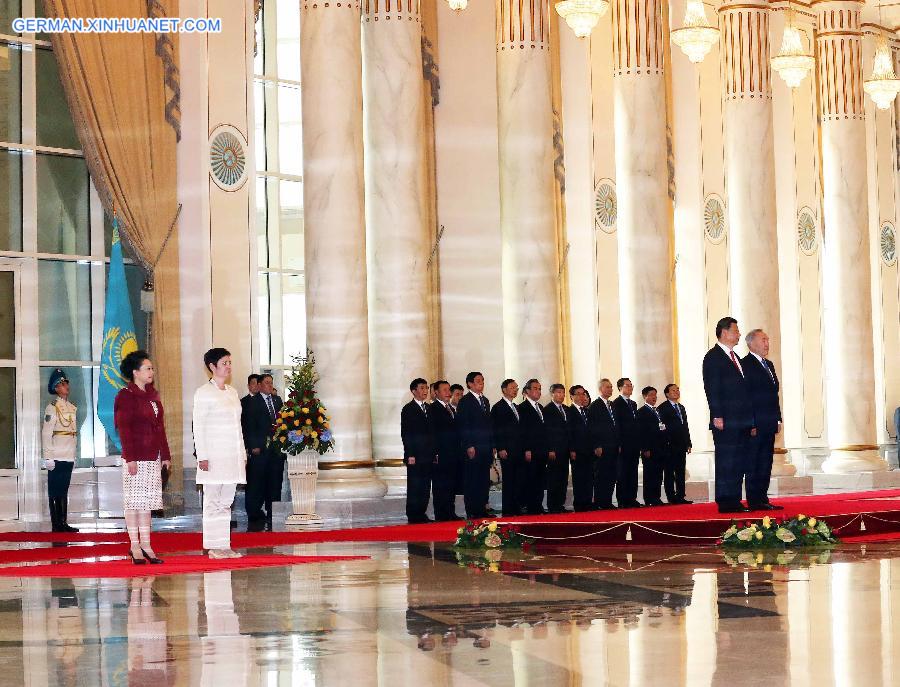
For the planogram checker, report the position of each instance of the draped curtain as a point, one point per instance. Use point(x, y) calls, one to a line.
point(122, 91)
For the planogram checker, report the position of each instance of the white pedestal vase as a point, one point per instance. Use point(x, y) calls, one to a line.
point(303, 472)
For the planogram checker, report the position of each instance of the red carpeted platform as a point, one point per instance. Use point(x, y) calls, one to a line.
point(174, 565)
point(870, 514)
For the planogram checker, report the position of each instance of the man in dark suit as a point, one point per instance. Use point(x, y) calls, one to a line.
point(606, 442)
point(473, 418)
point(762, 382)
point(252, 389)
point(419, 451)
point(536, 446)
point(265, 463)
point(556, 417)
point(581, 450)
point(654, 446)
point(445, 471)
point(678, 435)
point(508, 442)
point(626, 417)
point(730, 414)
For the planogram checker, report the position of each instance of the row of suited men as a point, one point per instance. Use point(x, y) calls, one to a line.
point(451, 443)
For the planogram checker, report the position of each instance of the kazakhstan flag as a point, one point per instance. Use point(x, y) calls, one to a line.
point(118, 337)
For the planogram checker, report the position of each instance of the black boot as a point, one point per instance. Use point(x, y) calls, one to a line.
point(54, 513)
point(63, 513)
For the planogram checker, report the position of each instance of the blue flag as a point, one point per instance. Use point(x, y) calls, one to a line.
point(118, 337)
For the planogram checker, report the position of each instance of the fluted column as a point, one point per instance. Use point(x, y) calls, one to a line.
point(527, 220)
point(396, 215)
point(846, 278)
point(750, 177)
point(645, 270)
point(334, 238)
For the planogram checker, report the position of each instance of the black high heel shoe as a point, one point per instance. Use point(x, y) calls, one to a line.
point(137, 561)
point(152, 559)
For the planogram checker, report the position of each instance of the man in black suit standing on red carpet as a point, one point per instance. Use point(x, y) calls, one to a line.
point(654, 448)
point(508, 442)
point(731, 416)
point(607, 446)
point(418, 451)
point(581, 450)
point(473, 418)
point(557, 419)
point(763, 384)
point(444, 474)
point(536, 445)
point(674, 417)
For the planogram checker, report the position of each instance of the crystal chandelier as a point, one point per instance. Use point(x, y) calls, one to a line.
point(458, 5)
point(792, 62)
point(697, 35)
point(582, 15)
point(883, 85)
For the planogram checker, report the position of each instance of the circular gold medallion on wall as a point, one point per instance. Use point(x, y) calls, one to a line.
point(606, 209)
point(714, 218)
point(807, 235)
point(888, 243)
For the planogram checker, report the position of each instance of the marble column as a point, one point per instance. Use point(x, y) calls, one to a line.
point(334, 239)
point(530, 271)
point(846, 277)
point(645, 269)
point(750, 178)
point(396, 212)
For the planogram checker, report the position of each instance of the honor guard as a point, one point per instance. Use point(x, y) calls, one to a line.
point(59, 441)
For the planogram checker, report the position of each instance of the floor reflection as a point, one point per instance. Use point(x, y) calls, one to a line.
point(421, 614)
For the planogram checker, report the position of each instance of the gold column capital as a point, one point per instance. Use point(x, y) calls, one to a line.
point(744, 41)
point(388, 10)
point(523, 24)
point(638, 43)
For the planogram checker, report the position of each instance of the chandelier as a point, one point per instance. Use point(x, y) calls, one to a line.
point(582, 15)
point(792, 62)
point(697, 35)
point(458, 5)
point(883, 85)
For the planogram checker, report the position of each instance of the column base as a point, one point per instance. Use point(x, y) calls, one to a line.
point(858, 481)
point(394, 476)
point(781, 465)
point(349, 483)
point(784, 486)
point(844, 462)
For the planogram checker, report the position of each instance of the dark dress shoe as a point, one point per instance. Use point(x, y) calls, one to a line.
point(653, 502)
point(152, 559)
point(738, 508)
point(680, 502)
point(766, 506)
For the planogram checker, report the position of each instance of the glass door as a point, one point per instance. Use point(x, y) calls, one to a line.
point(10, 396)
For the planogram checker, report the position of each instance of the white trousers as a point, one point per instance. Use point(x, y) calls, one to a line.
point(217, 500)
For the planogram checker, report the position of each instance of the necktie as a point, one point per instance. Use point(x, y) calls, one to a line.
point(656, 412)
point(515, 410)
point(632, 406)
point(562, 412)
point(538, 409)
point(765, 364)
point(678, 412)
point(484, 405)
point(583, 415)
point(609, 410)
point(424, 409)
point(450, 410)
point(271, 407)
point(736, 363)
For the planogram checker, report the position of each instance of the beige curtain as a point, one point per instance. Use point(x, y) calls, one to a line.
point(123, 93)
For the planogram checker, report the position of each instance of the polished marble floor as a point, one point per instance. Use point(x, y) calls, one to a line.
point(417, 614)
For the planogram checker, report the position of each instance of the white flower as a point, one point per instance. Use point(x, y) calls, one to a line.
point(785, 535)
point(822, 529)
point(730, 532)
point(745, 534)
point(492, 541)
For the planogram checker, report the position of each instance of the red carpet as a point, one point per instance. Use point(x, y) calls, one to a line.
point(870, 514)
point(174, 565)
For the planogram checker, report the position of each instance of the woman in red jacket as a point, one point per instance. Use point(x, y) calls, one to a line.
point(140, 422)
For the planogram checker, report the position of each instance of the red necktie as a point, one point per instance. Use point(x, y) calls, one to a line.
point(734, 360)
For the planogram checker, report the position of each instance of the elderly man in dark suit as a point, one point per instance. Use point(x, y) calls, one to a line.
point(508, 442)
point(536, 445)
point(674, 416)
point(581, 450)
point(419, 451)
point(731, 416)
point(473, 418)
point(606, 440)
point(625, 410)
point(557, 418)
point(654, 447)
point(762, 382)
point(446, 470)
point(265, 461)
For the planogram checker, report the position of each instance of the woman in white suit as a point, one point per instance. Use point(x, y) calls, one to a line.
point(221, 458)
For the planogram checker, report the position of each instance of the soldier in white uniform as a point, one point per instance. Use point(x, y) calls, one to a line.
point(59, 438)
point(221, 458)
